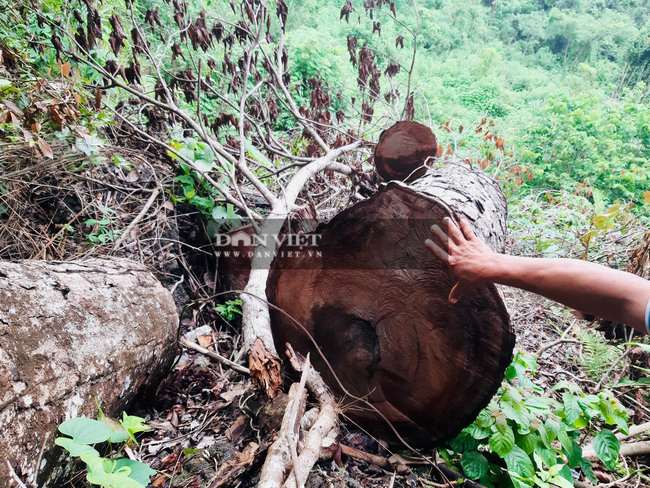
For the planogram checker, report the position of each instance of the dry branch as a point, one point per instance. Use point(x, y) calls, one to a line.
point(287, 454)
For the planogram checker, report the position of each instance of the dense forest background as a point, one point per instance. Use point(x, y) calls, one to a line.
point(563, 84)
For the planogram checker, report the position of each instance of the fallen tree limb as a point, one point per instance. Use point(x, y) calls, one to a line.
point(216, 356)
point(631, 449)
point(638, 449)
point(289, 462)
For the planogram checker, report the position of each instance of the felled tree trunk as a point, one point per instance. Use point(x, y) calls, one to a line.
point(74, 335)
point(374, 300)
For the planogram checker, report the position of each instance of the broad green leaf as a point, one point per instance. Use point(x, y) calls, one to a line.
point(566, 441)
point(588, 470)
point(485, 419)
point(519, 462)
point(140, 472)
point(553, 428)
point(133, 425)
point(97, 473)
point(621, 422)
point(561, 482)
point(502, 442)
point(86, 431)
point(528, 442)
point(478, 432)
point(75, 449)
point(203, 165)
point(580, 422)
point(572, 408)
point(607, 448)
point(574, 456)
point(474, 464)
point(501, 422)
point(463, 442)
point(257, 155)
point(543, 434)
point(548, 456)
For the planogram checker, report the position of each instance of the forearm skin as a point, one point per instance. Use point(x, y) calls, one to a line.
point(588, 287)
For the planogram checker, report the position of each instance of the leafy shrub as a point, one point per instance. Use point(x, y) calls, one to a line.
point(523, 439)
point(84, 433)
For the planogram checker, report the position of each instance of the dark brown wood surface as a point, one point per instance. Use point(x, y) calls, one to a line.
point(376, 303)
point(403, 150)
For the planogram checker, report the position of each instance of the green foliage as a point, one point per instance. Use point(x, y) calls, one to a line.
point(229, 309)
point(84, 433)
point(588, 139)
point(526, 439)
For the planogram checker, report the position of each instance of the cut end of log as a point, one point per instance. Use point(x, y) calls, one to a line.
point(375, 301)
point(265, 369)
point(403, 151)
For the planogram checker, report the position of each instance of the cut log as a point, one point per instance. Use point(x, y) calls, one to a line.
point(404, 150)
point(74, 335)
point(374, 299)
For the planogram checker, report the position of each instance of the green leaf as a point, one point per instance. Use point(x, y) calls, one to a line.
point(86, 431)
point(621, 422)
point(574, 456)
point(478, 432)
point(98, 475)
point(257, 155)
point(140, 472)
point(548, 456)
point(519, 462)
point(553, 428)
point(502, 442)
point(75, 449)
point(561, 482)
point(474, 464)
point(566, 441)
point(463, 442)
point(203, 166)
point(572, 408)
point(528, 443)
point(133, 425)
point(588, 470)
point(607, 448)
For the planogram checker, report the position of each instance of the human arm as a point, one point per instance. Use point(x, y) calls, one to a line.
point(588, 287)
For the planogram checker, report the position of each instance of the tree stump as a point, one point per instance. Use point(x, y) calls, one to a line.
point(74, 335)
point(375, 300)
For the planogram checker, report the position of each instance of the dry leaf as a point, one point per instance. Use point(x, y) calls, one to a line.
point(133, 176)
point(168, 205)
point(77, 98)
point(237, 429)
point(13, 107)
point(646, 196)
point(234, 392)
point(45, 148)
point(65, 69)
point(36, 126)
point(204, 341)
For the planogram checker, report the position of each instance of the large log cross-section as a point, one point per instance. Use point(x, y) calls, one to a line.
point(374, 300)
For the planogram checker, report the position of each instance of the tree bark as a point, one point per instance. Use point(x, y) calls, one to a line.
point(74, 335)
point(374, 300)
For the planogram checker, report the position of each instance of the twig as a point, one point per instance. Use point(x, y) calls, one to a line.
point(137, 219)
point(550, 345)
point(215, 356)
point(15, 476)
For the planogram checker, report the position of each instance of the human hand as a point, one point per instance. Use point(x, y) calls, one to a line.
point(468, 258)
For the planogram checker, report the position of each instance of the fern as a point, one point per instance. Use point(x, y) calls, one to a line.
point(598, 355)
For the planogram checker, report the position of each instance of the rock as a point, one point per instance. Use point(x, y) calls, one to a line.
point(74, 335)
